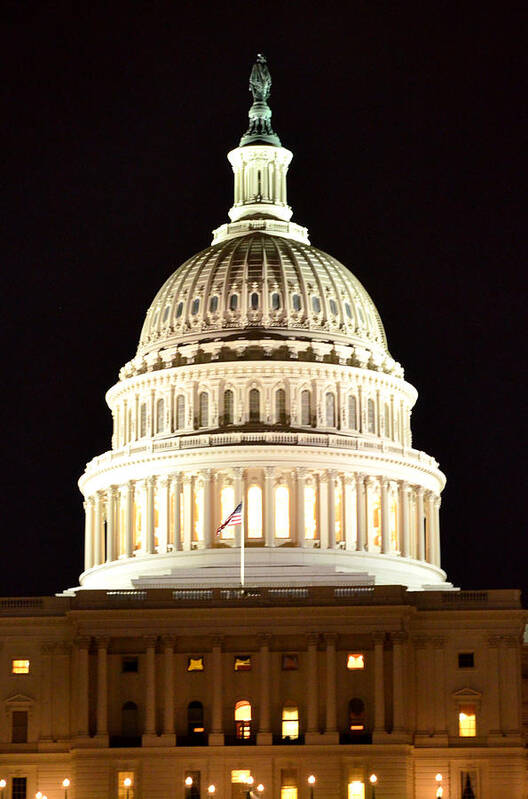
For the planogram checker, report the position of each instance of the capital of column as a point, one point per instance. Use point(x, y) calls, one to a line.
point(330, 638)
point(312, 639)
point(264, 640)
point(150, 641)
point(399, 637)
point(239, 471)
point(168, 641)
point(217, 641)
point(301, 472)
point(164, 481)
point(269, 472)
point(205, 474)
point(83, 641)
point(378, 638)
point(420, 490)
point(187, 479)
point(102, 641)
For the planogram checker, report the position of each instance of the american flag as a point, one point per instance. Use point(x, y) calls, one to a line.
point(234, 518)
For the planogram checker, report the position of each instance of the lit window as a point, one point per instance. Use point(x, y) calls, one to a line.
point(166, 313)
point(198, 515)
point(242, 663)
point(233, 302)
point(296, 302)
point(338, 498)
point(356, 715)
point(375, 523)
point(310, 512)
point(393, 519)
point(20, 667)
point(282, 512)
point(348, 310)
point(195, 306)
point(255, 512)
point(179, 310)
point(288, 792)
point(128, 790)
point(333, 307)
point(467, 721)
point(195, 664)
point(466, 660)
point(254, 405)
point(213, 304)
point(227, 502)
point(290, 662)
point(240, 776)
point(316, 304)
point(290, 722)
point(143, 420)
point(356, 790)
point(243, 720)
point(228, 407)
point(355, 661)
point(306, 411)
point(275, 301)
point(387, 421)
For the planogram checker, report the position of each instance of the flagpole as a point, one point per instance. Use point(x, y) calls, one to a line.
point(242, 541)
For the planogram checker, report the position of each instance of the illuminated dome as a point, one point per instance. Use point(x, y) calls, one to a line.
point(263, 377)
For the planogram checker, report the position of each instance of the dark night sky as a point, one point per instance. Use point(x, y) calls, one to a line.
point(406, 130)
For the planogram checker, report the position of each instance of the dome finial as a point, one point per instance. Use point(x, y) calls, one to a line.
point(260, 129)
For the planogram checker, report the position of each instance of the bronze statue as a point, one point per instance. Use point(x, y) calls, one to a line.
point(260, 80)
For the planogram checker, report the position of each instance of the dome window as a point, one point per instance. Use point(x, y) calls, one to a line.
point(371, 412)
point(166, 313)
point(143, 420)
point(316, 304)
point(352, 412)
point(254, 301)
point(275, 301)
point(296, 302)
point(280, 406)
point(254, 405)
point(348, 310)
point(306, 411)
point(330, 410)
point(180, 412)
point(213, 304)
point(233, 302)
point(228, 407)
point(195, 306)
point(160, 416)
point(204, 409)
point(179, 310)
point(333, 307)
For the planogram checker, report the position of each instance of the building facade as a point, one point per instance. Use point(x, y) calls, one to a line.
point(320, 636)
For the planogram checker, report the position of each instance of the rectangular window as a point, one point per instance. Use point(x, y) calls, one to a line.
point(126, 785)
point(242, 663)
point(288, 792)
point(355, 660)
point(467, 721)
point(192, 785)
point(195, 664)
point(19, 726)
point(129, 665)
point(19, 788)
point(288, 784)
point(466, 660)
point(290, 662)
point(356, 790)
point(20, 667)
point(239, 776)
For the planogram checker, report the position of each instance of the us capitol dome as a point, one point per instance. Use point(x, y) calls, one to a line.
point(262, 376)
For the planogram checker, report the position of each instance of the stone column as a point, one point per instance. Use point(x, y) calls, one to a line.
point(47, 650)
point(176, 526)
point(404, 516)
point(312, 699)
point(369, 482)
point(102, 690)
point(322, 504)
point(379, 690)
point(164, 513)
point(398, 715)
point(269, 522)
point(360, 510)
point(83, 647)
point(89, 533)
point(98, 532)
point(216, 736)
point(430, 527)
point(439, 697)
point(150, 484)
point(385, 517)
point(331, 510)
point(301, 526)
point(494, 691)
point(348, 514)
point(207, 515)
point(331, 734)
point(436, 532)
point(420, 522)
point(129, 519)
point(264, 737)
point(149, 736)
point(168, 738)
point(187, 511)
point(111, 526)
point(510, 682)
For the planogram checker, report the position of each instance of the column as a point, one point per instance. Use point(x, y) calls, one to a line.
point(430, 527)
point(494, 690)
point(312, 699)
point(331, 510)
point(440, 725)
point(207, 515)
point(168, 738)
point(102, 690)
point(398, 714)
point(129, 519)
point(379, 692)
point(149, 736)
point(240, 497)
point(404, 516)
point(269, 525)
point(216, 736)
point(348, 514)
point(111, 496)
point(150, 483)
point(89, 533)
point(360, 511)
point(385, 517)
point(164, 513)
point(331, 708)
point(322, 504)
point(420, 522)
point(369, 482)
point(264, 736)
point(176, 535)
point(187, 511)
point(301, 526)
point(83, 646)
point(436, 532)
point(98, 533)
point(510, 682)
point(46, 716)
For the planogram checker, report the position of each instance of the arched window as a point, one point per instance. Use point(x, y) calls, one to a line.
point(306, 410)
point(290, 722)
point(203, 402)
point(179, 310)
point(282, 512)
point(280, 406)
point(316, 304)
point(310, 512)
point(275, 301)
point(195, 718)
point(143, 420)
point(254, 301)
point(243, 720)
point(371, 410)
point(195, 306)
point(166, 313)
point(129, 720)
point(387, 421)
point(330, 410)
point(233, 302)
point(227, 502)
point(254, 405)
point(228, 407)
point(213, 304)
point(352, 412)
point(333, 307)
point(180, 412)
point(348, 310)
point(296, 302)
point(160, 416)
point(255, 512)
point(356, 715)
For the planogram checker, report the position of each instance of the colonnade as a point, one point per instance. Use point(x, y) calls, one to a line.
point(326, 509)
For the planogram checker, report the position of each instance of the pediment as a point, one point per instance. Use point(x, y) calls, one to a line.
point(466, 693)
point(19, 699)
